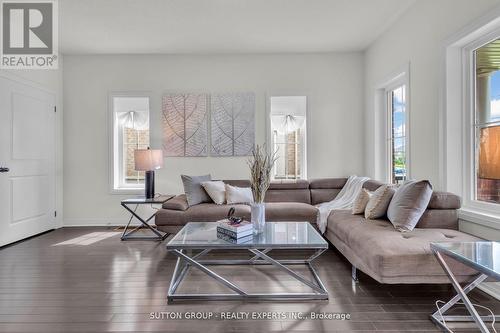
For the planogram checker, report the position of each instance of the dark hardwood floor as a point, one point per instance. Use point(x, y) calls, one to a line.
point(87, 280)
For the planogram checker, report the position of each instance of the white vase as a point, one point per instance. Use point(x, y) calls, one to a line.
point(258, 217)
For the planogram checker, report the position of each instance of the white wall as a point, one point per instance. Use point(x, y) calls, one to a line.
point(417, 39)
point(332, 82)
point(52, 81)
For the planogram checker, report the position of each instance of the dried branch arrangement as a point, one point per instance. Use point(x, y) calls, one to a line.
point(261, 165)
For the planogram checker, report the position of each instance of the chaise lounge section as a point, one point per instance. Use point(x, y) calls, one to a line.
point(372, 246)
point(389, 256)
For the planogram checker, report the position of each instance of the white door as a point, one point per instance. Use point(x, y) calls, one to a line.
point(27, 189)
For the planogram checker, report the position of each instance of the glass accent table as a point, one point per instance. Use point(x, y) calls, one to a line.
point(202, 237)
point(484, 257)
point(158, 235)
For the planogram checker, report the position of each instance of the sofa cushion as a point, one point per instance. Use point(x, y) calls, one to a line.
point(195, 193)
point(178, 202)
point(372, 185)
point(288, 191)
point(170, 217)
point(388, 253)
point(444, 200)
point(275, 184)
point(439, 218)
point(207, 212)
point(238, 182)
point(320, 195)
point(281, 191)
point(296, 195)
point(290, 211)
point(327, 183)
point(295, 184)
point(408, 204)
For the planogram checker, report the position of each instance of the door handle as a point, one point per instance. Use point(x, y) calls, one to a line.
point(4, 170)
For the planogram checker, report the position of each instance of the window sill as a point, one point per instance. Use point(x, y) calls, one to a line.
point(488, 219)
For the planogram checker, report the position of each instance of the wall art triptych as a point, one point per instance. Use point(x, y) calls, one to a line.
point(185, 119)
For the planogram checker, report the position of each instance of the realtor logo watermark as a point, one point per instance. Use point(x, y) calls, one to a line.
point(29, 34)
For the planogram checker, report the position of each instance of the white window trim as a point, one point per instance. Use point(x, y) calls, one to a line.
point(383, 133)
point(457, 165)
point(112, 176)
point(269, 134)
point(469, 162)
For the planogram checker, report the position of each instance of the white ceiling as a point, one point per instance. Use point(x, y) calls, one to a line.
point(223, 26)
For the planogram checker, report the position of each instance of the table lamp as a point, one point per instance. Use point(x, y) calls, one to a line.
point(148, 160)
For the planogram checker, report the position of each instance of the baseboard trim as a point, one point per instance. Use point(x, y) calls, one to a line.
point(26, 239)
point(97, 222)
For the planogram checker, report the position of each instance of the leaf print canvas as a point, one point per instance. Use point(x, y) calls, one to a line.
point(184, 118)
point(232, 124)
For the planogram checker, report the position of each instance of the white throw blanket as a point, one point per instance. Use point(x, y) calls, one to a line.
point(344, 200)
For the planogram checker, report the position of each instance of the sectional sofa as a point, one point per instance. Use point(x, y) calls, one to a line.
point(372, 246)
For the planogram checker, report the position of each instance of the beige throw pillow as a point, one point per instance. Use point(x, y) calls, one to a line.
point(238, 195)
point(379, 201)
point(216, 190)
point(361, 201)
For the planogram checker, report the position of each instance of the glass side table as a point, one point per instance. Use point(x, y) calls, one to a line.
point(127, 203)
point(484, 257)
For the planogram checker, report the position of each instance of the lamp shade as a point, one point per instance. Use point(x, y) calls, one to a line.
point(489, 153)
point(148, 159)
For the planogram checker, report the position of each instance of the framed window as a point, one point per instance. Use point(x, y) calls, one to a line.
point(486, 124)
point(288, 136)
point(391, 141)
point(470, 120)
point(397, 138)
point(130, 131)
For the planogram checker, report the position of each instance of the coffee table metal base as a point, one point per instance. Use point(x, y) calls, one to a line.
point(260, 257)
point(439, 317)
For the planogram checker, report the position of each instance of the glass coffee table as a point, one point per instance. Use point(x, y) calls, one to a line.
point(192, 244)
point(484, 257)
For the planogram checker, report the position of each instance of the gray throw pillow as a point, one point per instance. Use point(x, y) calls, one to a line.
point(195, 193)
point(408, 204)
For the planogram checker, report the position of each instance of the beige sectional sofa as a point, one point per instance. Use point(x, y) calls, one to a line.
point(373, 246)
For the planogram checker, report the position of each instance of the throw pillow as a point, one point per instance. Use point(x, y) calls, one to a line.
point(216, 190)
point(409, 204)
point(195, 193)
point(238, 195)
point(379, 201)
point(361, 201)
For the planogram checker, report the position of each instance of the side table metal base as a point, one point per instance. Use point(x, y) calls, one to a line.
point(128, 235)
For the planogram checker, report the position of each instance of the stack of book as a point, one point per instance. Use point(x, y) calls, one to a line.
point(235, 233)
